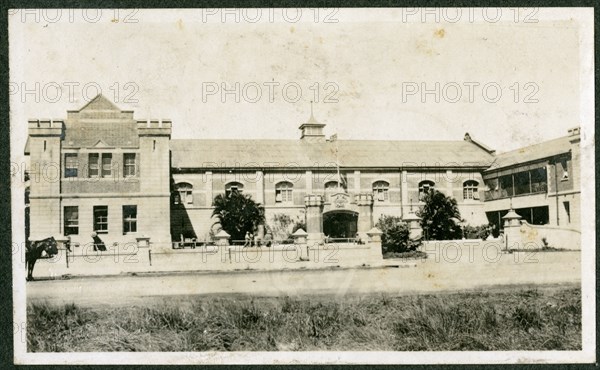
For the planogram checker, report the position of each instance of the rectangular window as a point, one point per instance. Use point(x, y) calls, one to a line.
point(100, 165)
point(540, 215)
point(381, 195)
point(564, 174)
point(71, 165)
point(539, 180)
point(106, 164)
point(101, 219)
point(71, 220)
point(567, 206)
point(93, 165)
point(506, 186)
point(129, 219)
point(283, 196)
point(129, 167)
point(522, 184)
point(492, 189)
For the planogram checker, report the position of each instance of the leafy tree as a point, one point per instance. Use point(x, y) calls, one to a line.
point(283, 226)
point(396, 235)
point(440, 217)
point(237, 214)
point(477, 232)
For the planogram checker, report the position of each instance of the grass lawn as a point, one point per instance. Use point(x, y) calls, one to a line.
point(514, 319)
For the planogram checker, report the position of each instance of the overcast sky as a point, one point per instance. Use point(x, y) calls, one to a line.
point(366, 63)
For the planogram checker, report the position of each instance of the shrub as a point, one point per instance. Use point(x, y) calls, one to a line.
point(396, 235)
point(476, 232)
point(440, 217)
point(283, 226)
point(237, 214)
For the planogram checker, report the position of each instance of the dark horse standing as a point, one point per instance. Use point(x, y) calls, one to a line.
point(34, 251)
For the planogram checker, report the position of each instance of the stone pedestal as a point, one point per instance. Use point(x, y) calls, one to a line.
point(300, 240)
point(512, 229)
point(414, 224)
point(364, 203)
point(314, 217)
point(300, 236)
point(222, 238)
point(260, 232)
point(374, 244)
point(374, 235)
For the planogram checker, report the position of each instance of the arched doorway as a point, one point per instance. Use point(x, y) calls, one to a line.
point(340, 224)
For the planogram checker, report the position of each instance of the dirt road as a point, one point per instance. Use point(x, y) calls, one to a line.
point(431, 275)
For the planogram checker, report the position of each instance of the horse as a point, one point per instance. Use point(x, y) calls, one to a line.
point(34, 251)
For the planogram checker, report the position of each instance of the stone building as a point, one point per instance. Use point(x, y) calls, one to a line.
point(100, 170)
point(347, 182)
point(540, 182)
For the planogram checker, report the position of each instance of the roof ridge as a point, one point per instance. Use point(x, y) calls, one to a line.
point(98, 98)
point(534, 145)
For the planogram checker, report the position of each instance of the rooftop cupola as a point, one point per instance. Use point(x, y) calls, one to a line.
point(312, 130)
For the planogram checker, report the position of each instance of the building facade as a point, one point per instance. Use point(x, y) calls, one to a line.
point(122, 178)
point(540, 182)
point(101, 171)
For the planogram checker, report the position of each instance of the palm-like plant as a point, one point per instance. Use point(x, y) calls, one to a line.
point(237, 214)
point(440, 217)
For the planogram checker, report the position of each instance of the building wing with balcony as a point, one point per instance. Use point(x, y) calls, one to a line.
point(540, 182)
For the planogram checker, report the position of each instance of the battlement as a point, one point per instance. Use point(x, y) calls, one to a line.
point(45, 123)
point(154, 123)
point(45, 127)
point(154, 127)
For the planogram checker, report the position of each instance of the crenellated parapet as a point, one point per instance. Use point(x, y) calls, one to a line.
point(364, 199)
point(313, 200)
point(45, 127)
point(154, 127)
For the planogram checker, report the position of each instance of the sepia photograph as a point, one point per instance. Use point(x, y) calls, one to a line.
point(302, 185)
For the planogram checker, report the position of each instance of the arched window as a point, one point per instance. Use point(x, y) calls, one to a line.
point(233, 187)
point(470, 190)
point(380, 191)
point(183, 193)
point(333, 187)
point(283, 192)
point(424, 187)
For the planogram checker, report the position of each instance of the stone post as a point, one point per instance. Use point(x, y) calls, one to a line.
point(314, 217)
point(375, 251)
point(414, 225)
point(260, 232)
point(512, 229)
point(364, 202)
point(300, 240)
point(222, 238)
